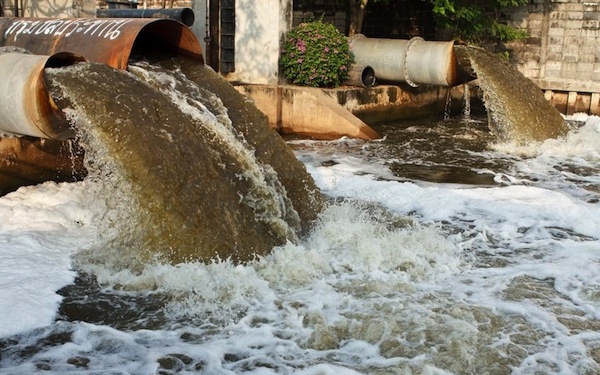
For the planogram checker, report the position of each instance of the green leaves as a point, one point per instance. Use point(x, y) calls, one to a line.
point(476, 21)
point(443, 7)
point(315, 54)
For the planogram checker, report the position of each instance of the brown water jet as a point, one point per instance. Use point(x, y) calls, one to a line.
point(183, 180)
point(517, 109)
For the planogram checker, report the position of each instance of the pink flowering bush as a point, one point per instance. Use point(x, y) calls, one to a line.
point(315, 54)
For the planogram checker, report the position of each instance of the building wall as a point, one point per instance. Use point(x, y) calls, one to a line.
point(199, 26)
point(51, 9)
point(563, 51)
point(260, 28)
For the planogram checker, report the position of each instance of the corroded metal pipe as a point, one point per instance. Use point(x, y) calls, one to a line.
point(29, 160)
point(25, 106)
point(110, 41)
point(183, 15)
point(413, 61)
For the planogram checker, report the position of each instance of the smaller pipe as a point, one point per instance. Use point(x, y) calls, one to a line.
point(183, 15)
point(361, 76)
point(25, 105)
point(413, 61)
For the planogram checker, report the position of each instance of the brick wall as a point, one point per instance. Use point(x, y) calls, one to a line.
point(563, 51)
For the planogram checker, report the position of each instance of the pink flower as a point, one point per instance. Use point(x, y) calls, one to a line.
point(300, 45)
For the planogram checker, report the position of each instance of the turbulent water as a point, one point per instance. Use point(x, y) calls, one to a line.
point(516, 107)
point(180, 179)
point(441, 251)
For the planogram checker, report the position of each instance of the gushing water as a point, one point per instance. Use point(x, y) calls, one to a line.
point(181, 181)
point(484, 262)
point(516, 107)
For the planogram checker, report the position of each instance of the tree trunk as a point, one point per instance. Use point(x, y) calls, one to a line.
point(357, 15)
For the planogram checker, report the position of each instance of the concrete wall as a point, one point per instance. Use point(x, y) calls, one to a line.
point(260, 27)
point(562, 54)
point(52, 9)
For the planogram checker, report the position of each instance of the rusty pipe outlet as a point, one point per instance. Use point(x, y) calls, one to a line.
point(413, 61)
point(110, 41)
point(25, 106)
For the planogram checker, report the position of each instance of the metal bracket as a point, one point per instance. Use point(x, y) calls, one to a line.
point(404, 68)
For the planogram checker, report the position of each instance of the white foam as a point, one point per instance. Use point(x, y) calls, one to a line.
point(451, 279)
point(40, 228)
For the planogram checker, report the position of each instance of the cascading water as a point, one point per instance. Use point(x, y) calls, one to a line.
point(483, 263)
point(517, 109)
point(181, 181)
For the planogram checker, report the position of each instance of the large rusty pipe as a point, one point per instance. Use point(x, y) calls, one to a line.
point(183, 15)
point(413, 61)
point(30, 160)
point(25, 106)
point(111, 41)
point(108, 41)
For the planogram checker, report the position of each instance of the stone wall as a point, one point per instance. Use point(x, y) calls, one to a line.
point(562, 54)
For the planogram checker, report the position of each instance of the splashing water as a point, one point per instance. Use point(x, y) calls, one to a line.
point(179, 180)
point(516, 107)
point(492, 271)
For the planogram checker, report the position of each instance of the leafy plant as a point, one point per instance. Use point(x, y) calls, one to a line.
point(476, 21)
point(315, 54)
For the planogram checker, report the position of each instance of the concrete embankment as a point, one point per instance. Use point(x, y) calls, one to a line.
point(347, 111)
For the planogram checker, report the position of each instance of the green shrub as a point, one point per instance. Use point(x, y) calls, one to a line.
point(315, 54)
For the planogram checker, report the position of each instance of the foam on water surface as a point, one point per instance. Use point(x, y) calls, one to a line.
point(398, 276)
point(41, 227)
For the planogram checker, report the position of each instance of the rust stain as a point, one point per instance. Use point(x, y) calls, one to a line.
point(108, 40)
point(30, 160)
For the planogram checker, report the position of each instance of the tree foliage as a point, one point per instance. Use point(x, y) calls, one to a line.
point(476, 21)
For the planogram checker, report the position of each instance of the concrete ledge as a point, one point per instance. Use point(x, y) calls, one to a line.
point(396, 102)
point(567, 85)
point(333, 113)
point(306, 111)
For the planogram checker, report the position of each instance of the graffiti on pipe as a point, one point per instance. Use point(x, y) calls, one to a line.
point(106, 29)
point(108, 40)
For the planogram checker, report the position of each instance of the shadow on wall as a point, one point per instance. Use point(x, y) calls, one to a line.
point(260, 64)
point(48, 8)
